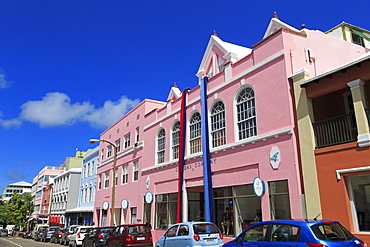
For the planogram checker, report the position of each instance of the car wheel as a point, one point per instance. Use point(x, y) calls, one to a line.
point(93, 244)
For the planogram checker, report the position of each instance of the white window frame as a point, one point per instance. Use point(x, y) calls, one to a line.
point(195, 133)
point(161, 146)
point(175, 141)
point(249, 120)
point(218, 124)
point(135, 171)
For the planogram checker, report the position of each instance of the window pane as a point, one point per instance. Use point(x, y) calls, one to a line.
point(279, 200)
point(361, 196)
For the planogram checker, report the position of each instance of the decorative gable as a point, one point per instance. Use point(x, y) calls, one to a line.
point(276, 24)
point(219, 53)
point(175, 93)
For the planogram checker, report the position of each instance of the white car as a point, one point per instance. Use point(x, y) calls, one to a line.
point(78, 235)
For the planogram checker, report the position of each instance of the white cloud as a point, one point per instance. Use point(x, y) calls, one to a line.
point(9, 123)
point(56, 109)
point(4, 83)
point(110, 112)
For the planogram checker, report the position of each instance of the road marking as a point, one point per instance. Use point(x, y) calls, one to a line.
point(11, 242)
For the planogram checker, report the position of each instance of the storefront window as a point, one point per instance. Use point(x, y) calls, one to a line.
point(279, 200)
point(165, 207)
point(236, 208)
point(361, 196)
point(195, 206)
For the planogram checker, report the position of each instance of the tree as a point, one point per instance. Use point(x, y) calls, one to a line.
point(17, 209)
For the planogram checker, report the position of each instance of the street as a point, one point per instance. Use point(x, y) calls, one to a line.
point(22, 242)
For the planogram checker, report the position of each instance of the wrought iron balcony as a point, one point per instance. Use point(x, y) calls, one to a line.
point(334, 131)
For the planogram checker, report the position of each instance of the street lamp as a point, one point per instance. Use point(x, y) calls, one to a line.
point(114, 177)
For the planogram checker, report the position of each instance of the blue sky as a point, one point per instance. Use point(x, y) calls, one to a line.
point(71, 68)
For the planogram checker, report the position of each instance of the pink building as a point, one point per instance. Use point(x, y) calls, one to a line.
point(255, 159)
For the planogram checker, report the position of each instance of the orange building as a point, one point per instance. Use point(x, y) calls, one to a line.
point(333, 118)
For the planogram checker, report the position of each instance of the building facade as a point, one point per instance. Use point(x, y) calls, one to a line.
point(334, 119)
point(19, 187)
point(254, 149)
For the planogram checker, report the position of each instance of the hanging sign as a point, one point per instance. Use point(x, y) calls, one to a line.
point(258, 186)
point(124, 204)
point(148, 197)
point(105, 205)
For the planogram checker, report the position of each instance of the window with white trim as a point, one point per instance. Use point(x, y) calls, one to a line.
point(195, 133)
point(109, 151)
point(136, 170)
point(125, 174)
point(218, 126)
point(175, 140)
point(118, 145)
point(360, 189)
point(106, 181)
point(99, 181)
point(246, 114)
point(127, 140)
point(161, 145)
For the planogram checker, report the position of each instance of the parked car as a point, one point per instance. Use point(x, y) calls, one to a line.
point(78, 235)
point(191, 234)
point(36, 229)
point(311, 233)
point(130, 235)
point(3, 233)
point(39, 233)
point(97, 237)
point(57, 236)
point(27, 235)
point(46, 236)
point(68, 231)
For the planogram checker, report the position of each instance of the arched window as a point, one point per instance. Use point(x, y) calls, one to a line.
point(218, 132)
point(175, 140)
point(161, 145)
point(246, 114)
point(195, 133)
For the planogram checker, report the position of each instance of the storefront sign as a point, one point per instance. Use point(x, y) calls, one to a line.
point(258, 186)
point(124, 204)
point(196, 165)
point(105, 205)
point(275, 157)
point(147, 182)
point(148, 197)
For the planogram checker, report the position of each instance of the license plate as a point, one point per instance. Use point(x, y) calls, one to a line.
point(140, 238)
point(210, 239)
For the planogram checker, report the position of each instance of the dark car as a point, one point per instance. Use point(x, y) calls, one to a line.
point(39, 233)
point(310, 233)
point(46, 235)
point(27, 235)
point(97, 237)
point(130, 235)
point(57, 236)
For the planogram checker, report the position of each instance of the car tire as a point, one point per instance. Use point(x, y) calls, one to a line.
point(93, 244)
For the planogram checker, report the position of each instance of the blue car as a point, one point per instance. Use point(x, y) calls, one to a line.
point(191, 234)
point(308, 233)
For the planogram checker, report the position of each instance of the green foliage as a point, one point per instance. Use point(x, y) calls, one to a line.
point(17, 210)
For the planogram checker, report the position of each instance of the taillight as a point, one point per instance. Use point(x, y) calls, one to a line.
point(363, 244)
point(68, 233)
point(79, 235)
point(128, 239)
point(316, 245)
point(221, 235)
point(196, 237)
point(100, 236)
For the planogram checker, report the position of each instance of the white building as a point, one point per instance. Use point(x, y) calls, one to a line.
point(19, 187)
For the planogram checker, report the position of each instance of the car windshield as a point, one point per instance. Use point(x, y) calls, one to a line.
point(133, 230)
point(84, 230)
point(205, 228)
point(107, 230)
point(332, 232)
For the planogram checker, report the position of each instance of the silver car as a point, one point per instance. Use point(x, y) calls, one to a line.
point(191, 234)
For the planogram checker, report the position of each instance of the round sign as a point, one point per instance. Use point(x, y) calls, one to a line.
point(105, 205)
point(148, 197)
point(258, 186)
point(124, 204)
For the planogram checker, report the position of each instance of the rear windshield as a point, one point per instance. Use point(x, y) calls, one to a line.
point(134, 230)
point(205, 228)
point(84, 230)
point(332, 232)
point(106, 230)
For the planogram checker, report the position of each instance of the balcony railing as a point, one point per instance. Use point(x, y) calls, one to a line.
point(335, 131)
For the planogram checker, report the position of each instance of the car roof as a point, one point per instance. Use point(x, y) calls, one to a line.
point(299, 221)
point(132, 225)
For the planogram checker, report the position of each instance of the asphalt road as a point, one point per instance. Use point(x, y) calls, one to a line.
point(21, 242)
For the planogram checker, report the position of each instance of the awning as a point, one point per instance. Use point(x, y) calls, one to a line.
point(361, 34)
point(80, 210)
